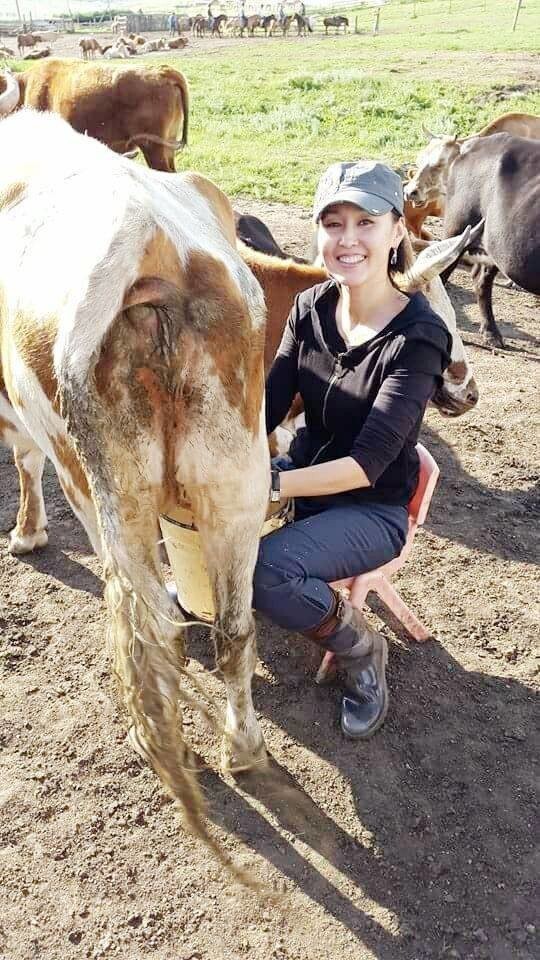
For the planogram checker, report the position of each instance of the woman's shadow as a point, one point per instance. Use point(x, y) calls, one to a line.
point(428, 825)
point(495, 521)
point(462, 297)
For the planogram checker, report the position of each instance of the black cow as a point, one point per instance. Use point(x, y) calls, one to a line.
point(498, 178)
point(255, 234)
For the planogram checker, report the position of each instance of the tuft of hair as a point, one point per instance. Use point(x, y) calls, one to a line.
point(149, 669)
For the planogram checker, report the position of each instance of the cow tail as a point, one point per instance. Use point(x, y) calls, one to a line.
point(152, 682)
point(178, 80)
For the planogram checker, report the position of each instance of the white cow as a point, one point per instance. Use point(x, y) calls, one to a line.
point(118, 51)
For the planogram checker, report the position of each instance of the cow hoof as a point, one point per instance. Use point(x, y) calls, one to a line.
point(493, 340)
point(21, 543)
point(237, 759)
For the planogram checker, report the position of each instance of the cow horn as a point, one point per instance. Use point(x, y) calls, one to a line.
point(441, 254)
point(427, 133)
point(10, 97)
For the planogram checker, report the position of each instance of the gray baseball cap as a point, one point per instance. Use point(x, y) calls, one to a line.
point(372, 186)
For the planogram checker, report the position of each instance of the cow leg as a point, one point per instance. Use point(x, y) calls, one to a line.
point(30, 530)
point(230, 540)
point(483, 277)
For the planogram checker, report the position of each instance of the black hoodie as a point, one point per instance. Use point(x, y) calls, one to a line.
point(366, 402)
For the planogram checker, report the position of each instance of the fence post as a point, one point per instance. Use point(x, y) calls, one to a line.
point(518, 6)
point(356, 24)
point(376, 22)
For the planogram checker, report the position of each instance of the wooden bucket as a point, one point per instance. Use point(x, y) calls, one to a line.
point(183, 546)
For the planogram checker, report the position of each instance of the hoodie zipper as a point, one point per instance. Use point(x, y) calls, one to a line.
point(338, 370)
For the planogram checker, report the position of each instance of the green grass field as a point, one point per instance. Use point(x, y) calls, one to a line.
point(268, 116)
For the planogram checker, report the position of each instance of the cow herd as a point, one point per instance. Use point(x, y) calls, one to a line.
point(134, 359)
point(125, 47)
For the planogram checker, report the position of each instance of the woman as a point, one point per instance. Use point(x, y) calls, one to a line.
point(366, 359)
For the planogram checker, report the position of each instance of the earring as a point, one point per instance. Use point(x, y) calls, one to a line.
point(393, 258)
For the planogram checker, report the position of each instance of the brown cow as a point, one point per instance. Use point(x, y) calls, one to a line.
point(518, 124)
point(415, 216)
point(27, 40)
point(177, 43)
point(89, 46)
point(124, 106)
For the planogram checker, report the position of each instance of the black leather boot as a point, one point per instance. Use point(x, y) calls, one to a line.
point(361, 654)
point(365, 704)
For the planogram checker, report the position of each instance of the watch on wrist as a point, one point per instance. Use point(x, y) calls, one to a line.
point(275, 487)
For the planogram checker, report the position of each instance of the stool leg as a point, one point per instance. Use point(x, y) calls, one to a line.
point(326, 668)
point(399, 608)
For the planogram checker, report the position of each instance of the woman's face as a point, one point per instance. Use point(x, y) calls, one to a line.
point(355, 245)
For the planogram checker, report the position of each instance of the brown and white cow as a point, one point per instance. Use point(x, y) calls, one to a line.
point(124, 106)
point(133, 359)
point(116, 51)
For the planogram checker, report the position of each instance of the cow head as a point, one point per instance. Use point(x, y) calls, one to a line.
point(458, 392)
point(432, 169)
point(9, 98)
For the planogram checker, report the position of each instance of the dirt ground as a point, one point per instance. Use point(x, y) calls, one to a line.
point(419, 844)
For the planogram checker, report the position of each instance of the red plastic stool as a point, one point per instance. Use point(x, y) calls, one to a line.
point(357, 588)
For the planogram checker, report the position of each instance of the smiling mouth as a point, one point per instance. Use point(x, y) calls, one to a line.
point(352, 260)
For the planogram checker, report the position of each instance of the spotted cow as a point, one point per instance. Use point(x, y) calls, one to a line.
point(133, 360)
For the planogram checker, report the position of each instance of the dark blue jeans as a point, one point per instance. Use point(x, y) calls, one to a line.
point(331, 538)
